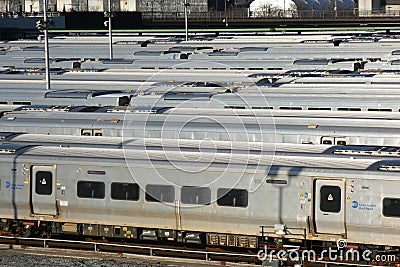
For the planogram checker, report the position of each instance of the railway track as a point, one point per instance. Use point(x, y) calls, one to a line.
point(177, 256)
point(149, 250)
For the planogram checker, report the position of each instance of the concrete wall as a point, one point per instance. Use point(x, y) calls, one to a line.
point(369, 7)
point(33, 5)
point(364, 5)
point(126, 5)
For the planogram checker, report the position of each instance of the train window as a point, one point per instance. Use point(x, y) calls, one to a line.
point(125, 191)
point(123, 101)
point(235, 107)
point(380, 109)
point(291, 108)
point(22, 103)
point(341, 142)
point(262, 107)
point(349, 109)
point(232, 197)
point(317, 108)
point(44, 183)
point(196, 195)
point(86, 132)
point(160, 193)
point(327, 142)
point(331, 199)
point(89, 189)
point(391, 207)
point(97, 133)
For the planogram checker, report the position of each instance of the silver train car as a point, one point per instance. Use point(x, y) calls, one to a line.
point(64, 97)
point(221, 64)
point(317, 127)
point(257, 148)
point(93, 192)
point(266, 100)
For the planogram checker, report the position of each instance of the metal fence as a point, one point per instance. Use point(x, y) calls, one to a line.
point(244, 15)
point(278, 15)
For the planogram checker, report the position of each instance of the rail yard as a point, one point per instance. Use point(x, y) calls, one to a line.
point(229, 148)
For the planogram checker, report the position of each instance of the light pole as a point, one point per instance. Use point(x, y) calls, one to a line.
point(335, 9)
point(46, 45)
point(186, 5)
point(110, 29)
point(226, 15)
point(284, 7)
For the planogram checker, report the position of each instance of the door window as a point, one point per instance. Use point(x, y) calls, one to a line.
point(44, 181)
point(330, 198)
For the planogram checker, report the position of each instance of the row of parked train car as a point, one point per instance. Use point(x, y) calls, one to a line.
point(235, 158)
point(272, 52)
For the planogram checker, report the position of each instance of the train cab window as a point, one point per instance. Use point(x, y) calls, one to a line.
point(125, 191)
point(160, 193)
point(44, 183)
point(391, 207)
point(196, 195)
point(86, 132)
point(327, 142)
point(97, 133)
point(331, 199)
point(232, 197)
point(124, 101)
point(89, 189)
point(341, 143)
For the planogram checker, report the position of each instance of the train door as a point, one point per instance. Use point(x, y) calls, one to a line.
point(43, 196)
point(329, 206)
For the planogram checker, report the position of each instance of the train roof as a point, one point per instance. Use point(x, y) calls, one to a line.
point(116, 157)
point(197, 145)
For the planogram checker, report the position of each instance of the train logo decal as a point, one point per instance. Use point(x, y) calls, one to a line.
point(363, 206)
point(11, 186)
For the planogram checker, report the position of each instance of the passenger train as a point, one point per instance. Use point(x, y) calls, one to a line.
point(299, 152)
point(266, 100)
point(304, 127)
point(64, 97)
point(237, 201)
point(228, 147)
